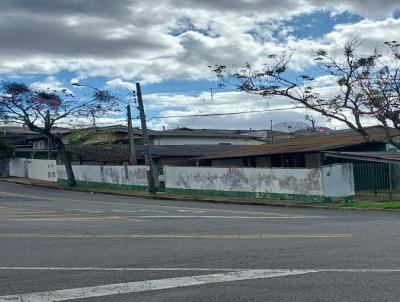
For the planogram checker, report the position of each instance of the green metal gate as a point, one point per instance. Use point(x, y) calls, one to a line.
point(377, 181)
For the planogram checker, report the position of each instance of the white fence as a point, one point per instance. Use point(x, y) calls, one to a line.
point(331, 181)
point(34, 168)
point(42, 169)
point(18, 167)
point(50, 171)
point(117, 175)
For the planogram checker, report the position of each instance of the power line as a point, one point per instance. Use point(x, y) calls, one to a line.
point(226, 113)
point(118, 121)
point(187, 91)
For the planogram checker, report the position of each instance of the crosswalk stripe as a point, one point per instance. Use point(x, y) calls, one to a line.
point(147, 285)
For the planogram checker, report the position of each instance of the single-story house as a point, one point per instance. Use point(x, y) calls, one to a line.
point(176, 155)
point(118, 135)
point(27, 143)
point(307, 151)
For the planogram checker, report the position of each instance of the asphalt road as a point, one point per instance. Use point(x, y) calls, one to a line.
point(57, 246)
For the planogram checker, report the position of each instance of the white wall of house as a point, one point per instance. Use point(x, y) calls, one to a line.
point(258, 180)
point(172, 140)
point(338, 180)
point(42, 169)
point(18, 167)
point(119, 175)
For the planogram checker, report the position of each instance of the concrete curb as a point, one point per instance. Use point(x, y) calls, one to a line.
point(264, 202)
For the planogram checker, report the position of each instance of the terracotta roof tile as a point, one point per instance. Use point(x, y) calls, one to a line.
point(302, 144)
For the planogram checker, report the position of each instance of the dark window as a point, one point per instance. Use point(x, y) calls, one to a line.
point(252, 162)
point(276, 160)
point(295, 160)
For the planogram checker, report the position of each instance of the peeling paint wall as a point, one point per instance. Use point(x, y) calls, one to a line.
point(119, 175)
point(261, 180)
point(338, 180)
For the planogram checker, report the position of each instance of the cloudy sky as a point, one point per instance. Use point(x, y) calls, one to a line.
point(167, 45)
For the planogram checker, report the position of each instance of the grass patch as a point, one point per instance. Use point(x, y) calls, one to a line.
point(371, 205)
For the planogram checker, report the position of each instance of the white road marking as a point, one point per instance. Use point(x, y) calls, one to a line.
point(229, 217)
point(180, 269)
point(200, 269)
point(191, 211)
point(135, 211)
point(84, 211)
point(148, 285)
point(177, 235)
point(36, 198)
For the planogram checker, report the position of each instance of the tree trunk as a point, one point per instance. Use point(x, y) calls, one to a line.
point(67, 163)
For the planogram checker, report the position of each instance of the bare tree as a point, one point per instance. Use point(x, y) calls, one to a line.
point(367, 85)
point(41, 111)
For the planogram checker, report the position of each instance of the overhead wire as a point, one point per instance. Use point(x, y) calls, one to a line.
point(207, 114)
point(226, 113)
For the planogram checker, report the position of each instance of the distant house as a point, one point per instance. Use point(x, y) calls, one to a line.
point(307, 151)
point(268, 135)
point(177, 155)
point(182, 136)
point(27, 143)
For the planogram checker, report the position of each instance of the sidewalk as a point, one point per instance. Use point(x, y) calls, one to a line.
point(170, 196)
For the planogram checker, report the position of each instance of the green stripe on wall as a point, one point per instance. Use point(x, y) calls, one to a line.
point(85, 184)
point(275, 196)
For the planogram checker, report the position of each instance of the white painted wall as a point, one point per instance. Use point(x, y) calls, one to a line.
point(120, 175)
point(18, 167)
point(205, 141)
point(338, 180)
point(263, 180)
point(329, 181)
point(42, 169)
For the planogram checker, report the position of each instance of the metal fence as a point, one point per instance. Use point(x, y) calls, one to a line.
point(377, 181)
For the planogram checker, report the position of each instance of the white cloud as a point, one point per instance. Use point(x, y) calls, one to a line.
point(223, 102)
point(169, 40)
point(119, 83)
point(130, 40)
point(51, 84)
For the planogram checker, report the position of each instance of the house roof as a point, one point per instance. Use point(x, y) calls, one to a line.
point(18, 130)
point(181, 132)
point(118, 153)
point(386, 157)
point(302, 144)
point(199, 133)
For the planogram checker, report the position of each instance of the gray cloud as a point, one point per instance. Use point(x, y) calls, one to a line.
point(132, 38)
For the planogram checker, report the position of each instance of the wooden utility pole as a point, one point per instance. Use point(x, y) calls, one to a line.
point(147, 150)
point(132, 152)
point(272, 132)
